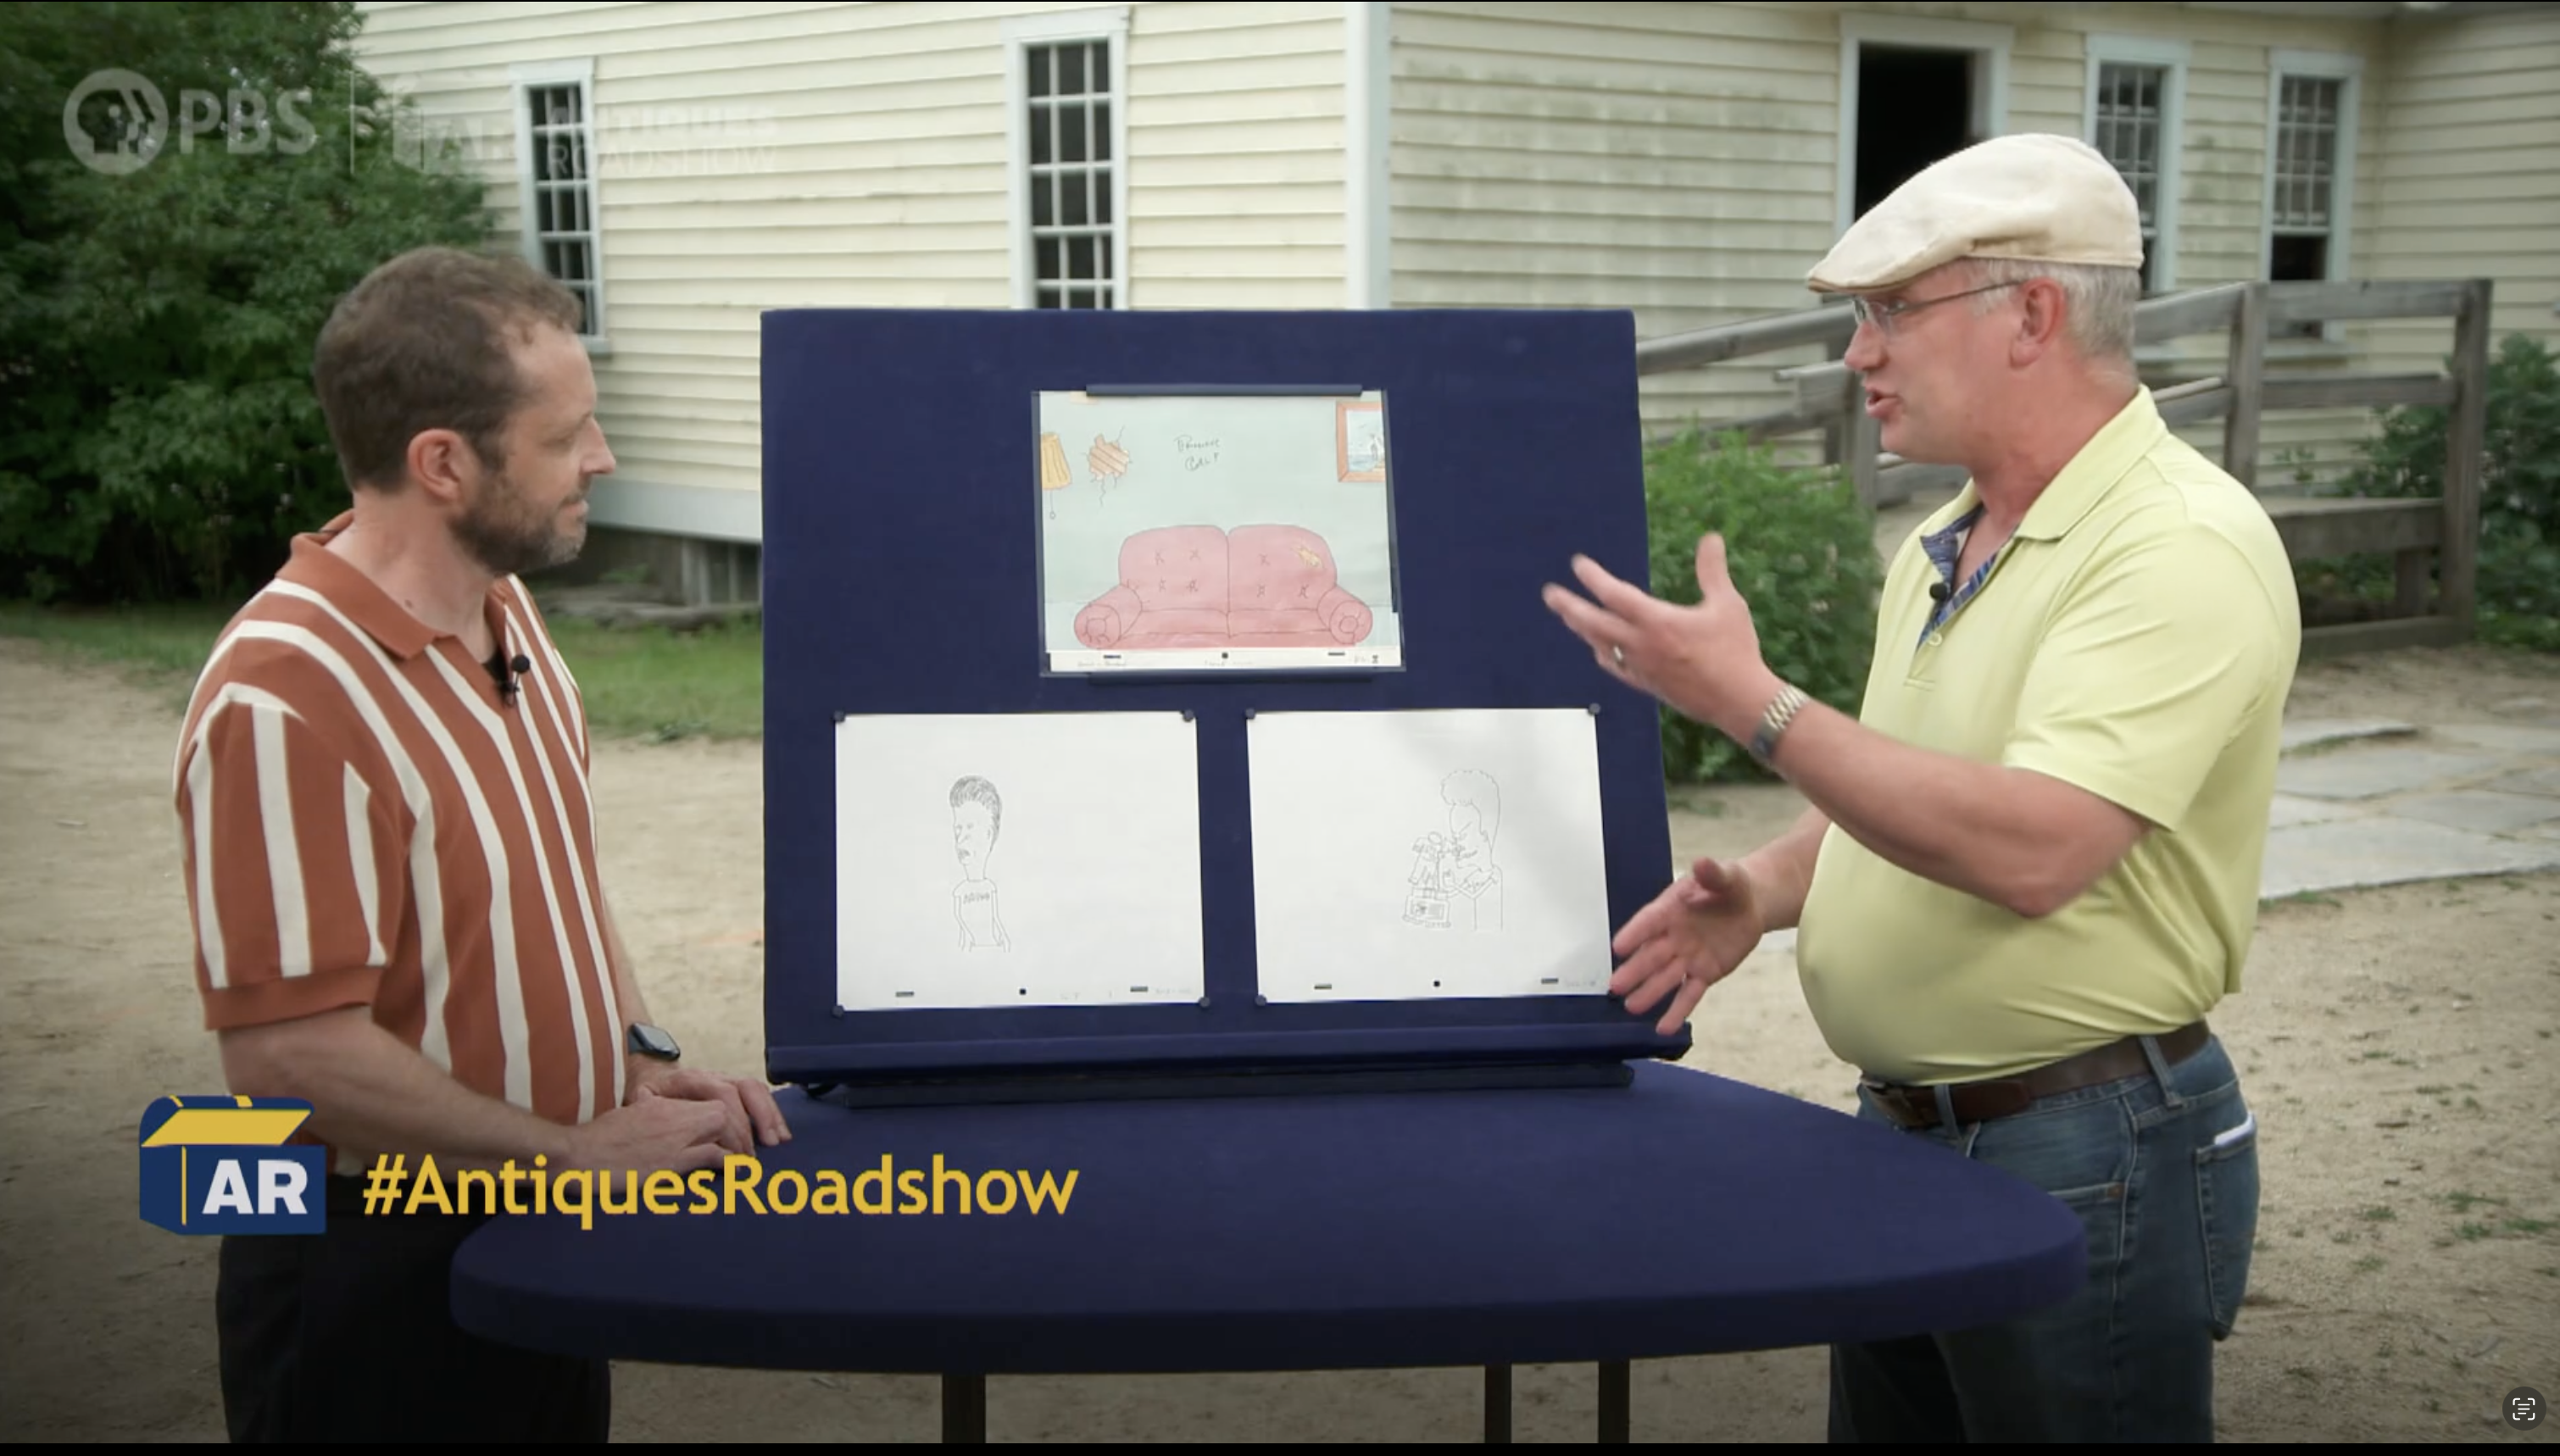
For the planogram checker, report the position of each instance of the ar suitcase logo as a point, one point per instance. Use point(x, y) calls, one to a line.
point(220, 1165)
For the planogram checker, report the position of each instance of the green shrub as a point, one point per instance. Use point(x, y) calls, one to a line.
point(2518, 582)
point(1801, 550)
point(159, 437)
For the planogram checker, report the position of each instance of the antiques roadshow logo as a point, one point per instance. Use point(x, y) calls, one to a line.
point(220, 1165)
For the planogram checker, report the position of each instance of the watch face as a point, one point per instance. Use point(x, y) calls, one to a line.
point(653, 1041)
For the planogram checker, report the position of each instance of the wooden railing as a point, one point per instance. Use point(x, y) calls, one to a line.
point(2442, 532)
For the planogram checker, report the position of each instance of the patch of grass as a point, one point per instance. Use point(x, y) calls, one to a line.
point(2435, 1406)
point(156, 648)
point(2379, 1215)
point(2367, 1266)
point(2463, 1203)
point(2433, 1091)
point(2527, 1225)
point(2308, 897)
point(2375, 1056)
point(638, 683)
point(660, 686)
point(2474, 1232)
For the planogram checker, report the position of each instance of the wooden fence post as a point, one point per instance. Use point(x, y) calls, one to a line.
point(2245, 373)
point(2466, 441)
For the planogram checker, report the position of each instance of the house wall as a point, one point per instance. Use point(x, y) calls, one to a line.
point(756, 156)
point(1684, 161)
point(2468, 177)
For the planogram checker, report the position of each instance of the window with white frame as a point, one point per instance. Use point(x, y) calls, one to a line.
point(2136, 97)
point(1070, 154)
point(556, 170)
point(2311, 170)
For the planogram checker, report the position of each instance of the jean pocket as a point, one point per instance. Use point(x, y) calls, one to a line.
point(2226, 1203)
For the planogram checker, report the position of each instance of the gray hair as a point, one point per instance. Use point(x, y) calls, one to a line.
point(2098, 303)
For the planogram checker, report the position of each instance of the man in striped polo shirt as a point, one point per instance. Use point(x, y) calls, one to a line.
point(391, 858)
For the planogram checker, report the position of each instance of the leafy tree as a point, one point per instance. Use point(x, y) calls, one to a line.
point(159, 437)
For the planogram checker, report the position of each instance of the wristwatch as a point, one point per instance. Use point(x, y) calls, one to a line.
point(1781, 711)
point(648, 1040)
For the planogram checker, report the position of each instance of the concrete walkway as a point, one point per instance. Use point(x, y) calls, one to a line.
point(2361, 804)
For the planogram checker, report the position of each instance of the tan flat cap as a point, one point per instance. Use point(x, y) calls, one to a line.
point(2034, 197)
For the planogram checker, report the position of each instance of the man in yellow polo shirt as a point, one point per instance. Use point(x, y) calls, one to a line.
point(2032, 865)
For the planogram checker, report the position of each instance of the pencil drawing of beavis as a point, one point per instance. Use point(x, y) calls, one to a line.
point(977, 812)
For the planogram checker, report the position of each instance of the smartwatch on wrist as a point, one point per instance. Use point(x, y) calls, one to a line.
point(648, 1040)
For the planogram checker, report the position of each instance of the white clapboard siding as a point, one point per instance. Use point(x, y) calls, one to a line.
point(1680, 161)
point(2469, 176)
point(760, 156)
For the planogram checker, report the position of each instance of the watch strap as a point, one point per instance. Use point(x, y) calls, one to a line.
point(1775, 718)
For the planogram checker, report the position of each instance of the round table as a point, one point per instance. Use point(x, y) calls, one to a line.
point(1681, 1214)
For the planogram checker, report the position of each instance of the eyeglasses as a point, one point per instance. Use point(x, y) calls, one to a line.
point(1884, 316)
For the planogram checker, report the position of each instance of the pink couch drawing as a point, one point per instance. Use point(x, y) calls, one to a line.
point(1200, 586)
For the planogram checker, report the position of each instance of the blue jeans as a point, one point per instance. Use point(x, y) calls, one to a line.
point(2163, 1174)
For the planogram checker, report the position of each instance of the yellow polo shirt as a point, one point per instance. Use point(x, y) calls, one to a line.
point(2137, 637)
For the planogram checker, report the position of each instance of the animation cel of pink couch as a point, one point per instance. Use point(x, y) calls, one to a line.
point(1200, 586)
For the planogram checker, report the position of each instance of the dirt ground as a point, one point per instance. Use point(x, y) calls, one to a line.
point(2396, 1046)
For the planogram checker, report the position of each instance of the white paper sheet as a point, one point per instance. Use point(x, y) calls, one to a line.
point(1403, 855)
point(1017, 859)
point(1216, 532)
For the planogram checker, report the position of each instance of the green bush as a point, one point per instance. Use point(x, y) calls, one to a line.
point(159, 437)
point(2518, 583)
point(1801, 550)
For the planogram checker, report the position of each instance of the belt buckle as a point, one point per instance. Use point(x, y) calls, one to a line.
point(1907, 1107)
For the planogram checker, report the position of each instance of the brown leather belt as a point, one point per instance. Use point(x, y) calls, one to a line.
point(1917, 1107)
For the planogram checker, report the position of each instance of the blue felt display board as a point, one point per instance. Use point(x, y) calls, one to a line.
point(901, 467)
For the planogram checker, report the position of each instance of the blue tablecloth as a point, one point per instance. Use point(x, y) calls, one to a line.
point(1684, 1214)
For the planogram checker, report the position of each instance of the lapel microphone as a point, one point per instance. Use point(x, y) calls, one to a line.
point(507, 671)
point(1938, 592)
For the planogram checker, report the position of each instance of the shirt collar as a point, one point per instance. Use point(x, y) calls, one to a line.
point(2081, 484)
point(370, 607)
point(2100, 463)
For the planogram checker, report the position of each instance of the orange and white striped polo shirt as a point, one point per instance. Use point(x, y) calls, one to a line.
point(367, 821)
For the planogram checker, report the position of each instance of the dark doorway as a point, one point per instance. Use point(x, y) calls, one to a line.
point(1914, 106)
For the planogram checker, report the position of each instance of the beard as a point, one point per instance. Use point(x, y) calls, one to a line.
point(509, 535)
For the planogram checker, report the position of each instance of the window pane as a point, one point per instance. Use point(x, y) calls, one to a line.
point(1071, 121)
point(1049, 298)
point(1073, 188)
point(1043, 213)
point(1101, 181)
point(1037, 63)
point(1079, 259)
point(1045, 262)
point(1070, 70)
point(1041, 153)
point(1102, 130)
point(2299, 260)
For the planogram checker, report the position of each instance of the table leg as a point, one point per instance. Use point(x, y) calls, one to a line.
point(1613, 1402)
point(964, 1410)
point(1497, 1405)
